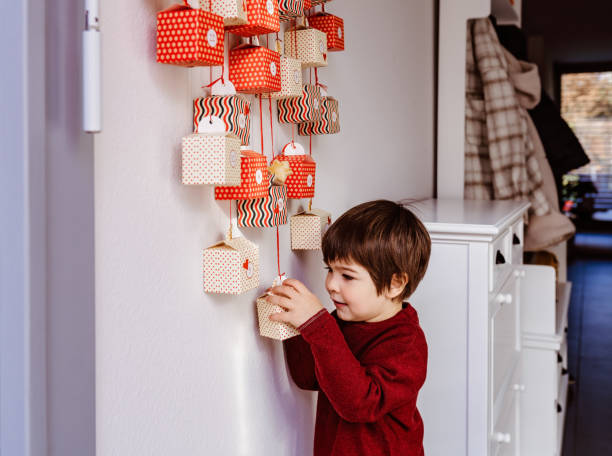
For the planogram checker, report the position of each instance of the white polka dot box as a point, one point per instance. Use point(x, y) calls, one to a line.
point(212, 159)
point(189, 37)
point(290, 9)
point(262, 17)
point(233, 12)
point(328, 124)
point(254, 179)
point(231, 266)
point(291, 79)
point(233, 110)
point(254, 69)
point(264, 212)
point(307, 228)
point(305, 108)
point(332, 26)
point(272, 329)
point(308, 45)
point(301, 182)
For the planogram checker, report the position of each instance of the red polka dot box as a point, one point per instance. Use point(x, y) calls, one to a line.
point(231, 266)
point(212, 159)
point(254, 69)
point(308, 45)
point(189, 37)
point(254, 179)
point(332, 26)
point(301, 182)
point(233, 12)
point(273, 329)
point(304, 108)
point(290, 9)
point(328, 123)
point(291, 79)
point(307, 228)
point(262, 16)
point(264, 212)
point(233, 110)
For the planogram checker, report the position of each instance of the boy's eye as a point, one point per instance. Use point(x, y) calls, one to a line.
point(327, 268)
point(347, 277)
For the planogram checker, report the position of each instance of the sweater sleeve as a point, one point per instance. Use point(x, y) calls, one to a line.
point(300, 360)
point(362, 393)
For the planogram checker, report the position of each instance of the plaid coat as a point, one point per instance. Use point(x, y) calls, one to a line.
point(499, 154)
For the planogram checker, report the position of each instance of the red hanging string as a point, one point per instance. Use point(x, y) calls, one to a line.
point(292, 137)
point(316, 76)
point(310, 72)
point(230, 219)
point(271, 125)
point(278, 252)
point(323, 7)
point(261, 124)
point(310, 144)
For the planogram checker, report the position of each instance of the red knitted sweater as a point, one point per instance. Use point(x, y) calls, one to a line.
point(368, 376)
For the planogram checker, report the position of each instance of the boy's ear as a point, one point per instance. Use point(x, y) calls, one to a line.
point(398, 283)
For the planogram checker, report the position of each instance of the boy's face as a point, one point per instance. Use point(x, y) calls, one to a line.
point(354, 294)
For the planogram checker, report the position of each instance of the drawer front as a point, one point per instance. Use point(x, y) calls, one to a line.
point(500, 260)
point(517, 242)
point(505, 337)
point(505, 434)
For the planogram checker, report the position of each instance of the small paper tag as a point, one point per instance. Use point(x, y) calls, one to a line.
point(334, 116)
point(220, 88)
point(293, 148)
point(280, 204)
point(211, 125)
point(297, 77)
point(323, 91)
point(340, 32)
point(233, 158)
point(270, 7)
point(321, 47)
point(258, 176)
point(211, 38)
point(316, 104)
point(278, 280)
point(309, 181)
point(273, 68)
point(241, 120)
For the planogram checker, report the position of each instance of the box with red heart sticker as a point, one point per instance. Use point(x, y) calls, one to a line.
point(231, 266)
point(189, 37)
point(254, 69)
point(332, 26)
point(262, 17)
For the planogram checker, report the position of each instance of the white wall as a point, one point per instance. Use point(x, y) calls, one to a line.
point(182, 372)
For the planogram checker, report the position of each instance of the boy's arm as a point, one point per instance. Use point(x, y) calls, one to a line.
point(364, 393)
point(301, 363)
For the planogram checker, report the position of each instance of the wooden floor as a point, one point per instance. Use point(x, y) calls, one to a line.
point(588, 424)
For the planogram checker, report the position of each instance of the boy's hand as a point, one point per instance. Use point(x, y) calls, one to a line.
point(300, 303)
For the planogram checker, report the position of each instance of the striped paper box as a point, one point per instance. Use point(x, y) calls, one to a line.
point(254, 69)
point(305, 108)
point(262, 17)
point(301, 182)
point(290, 9)
point(273, 329)
point(328, 123)
point(291, 79)
point(254, 179)
point(233, 110)
point(332, 26)
point(210, 159)
point(308, 45)
point(231, 266)
point(233, 12)
point(189, 37)
point(307, 228)
point(264, 212)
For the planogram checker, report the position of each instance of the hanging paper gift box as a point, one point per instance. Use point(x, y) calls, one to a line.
point(301, 182)
point(253, 179)
point(305, 108)
point(189, 37)
point(255, 69)
point(290, 9)
point(231, 266)
point(332, 26)
point(233, 12)
point(307, 228)
point(328, 123)
point(262, 17)
point(211, 159)
point(233, 110)
point(273, 329)
point(291, 79)
point(264, 212)
point(308, 45)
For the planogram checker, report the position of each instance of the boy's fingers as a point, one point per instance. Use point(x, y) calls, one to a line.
point(279, 301)
point(296, 284)
point(285, 291)
point(279, 317)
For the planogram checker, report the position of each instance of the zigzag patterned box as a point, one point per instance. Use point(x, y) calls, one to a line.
point(328, 123)
point(305, 108)
point(233, 110)
point(264, 212)
point(290, 9)
point(262, 16)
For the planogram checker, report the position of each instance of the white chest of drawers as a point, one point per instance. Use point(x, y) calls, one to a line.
point(468, 305)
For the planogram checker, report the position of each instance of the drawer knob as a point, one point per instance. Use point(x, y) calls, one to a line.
point(518, 387)
point(502, 437)
point(499, 258)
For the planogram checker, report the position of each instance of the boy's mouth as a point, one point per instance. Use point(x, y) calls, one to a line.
point(338, 303)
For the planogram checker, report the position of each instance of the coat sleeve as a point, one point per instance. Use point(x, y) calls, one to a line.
point(300, 363)
point(391, 377)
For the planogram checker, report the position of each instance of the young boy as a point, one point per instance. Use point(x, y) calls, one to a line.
point(368, 359)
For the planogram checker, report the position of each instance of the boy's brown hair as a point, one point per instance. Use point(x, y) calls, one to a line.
point(385, 238)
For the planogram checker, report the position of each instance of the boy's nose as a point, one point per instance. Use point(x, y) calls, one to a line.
point(331, 284)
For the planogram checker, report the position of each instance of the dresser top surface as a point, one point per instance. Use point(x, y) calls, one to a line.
point(469, 217)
